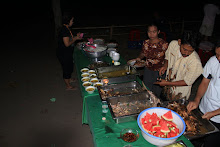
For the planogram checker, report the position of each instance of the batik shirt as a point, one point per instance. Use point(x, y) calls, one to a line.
point(154, 53)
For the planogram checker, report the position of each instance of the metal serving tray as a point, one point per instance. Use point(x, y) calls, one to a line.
point(126, 108)
point(206, 126)
point(118, 90)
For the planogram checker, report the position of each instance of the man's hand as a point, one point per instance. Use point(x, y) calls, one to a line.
point(162, 70)
point(192, 105)
point(208, 115)
point(162, 82)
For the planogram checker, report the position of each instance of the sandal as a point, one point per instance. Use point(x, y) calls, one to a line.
point(72, 80)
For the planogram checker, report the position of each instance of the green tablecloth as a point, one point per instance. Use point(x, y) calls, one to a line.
point(105, 133)
point(82, 61)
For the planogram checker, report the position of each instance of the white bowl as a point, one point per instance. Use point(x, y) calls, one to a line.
point(90, 89)
point(86, 84)
point(94, 80)
point(98, 84)
point(85, 79)
point(93, 76)
point(111, 53)
point(85, 74)
point(84, 70)
point(158, 141)
point(115, 56)
point(91, 71)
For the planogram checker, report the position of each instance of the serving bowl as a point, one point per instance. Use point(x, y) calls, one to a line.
point(90, 89)
point(158, 141)
point(86, 84)
point(129, 135)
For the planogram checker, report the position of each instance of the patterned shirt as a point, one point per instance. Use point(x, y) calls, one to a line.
point(182, 68)
point(154, 53)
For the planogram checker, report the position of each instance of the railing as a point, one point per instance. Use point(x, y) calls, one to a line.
point(110, 31)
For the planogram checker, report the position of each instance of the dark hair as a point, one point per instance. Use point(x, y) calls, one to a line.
point(190, 38)
point(217, 45)
point(67, 16)
point(153, 24)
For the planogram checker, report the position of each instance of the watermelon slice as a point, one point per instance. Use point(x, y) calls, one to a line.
point(156, 128)
point(164, 128)
point(148, 126)
point(168, 116)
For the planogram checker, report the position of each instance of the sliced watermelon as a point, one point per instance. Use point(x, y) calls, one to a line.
point(164, 128)
point(171, 124)
point(148, 126)
point(147, 117)
point(168, 116)
point(172, 134)
point(156, 128)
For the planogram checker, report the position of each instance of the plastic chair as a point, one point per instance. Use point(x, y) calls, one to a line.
point(134, 35)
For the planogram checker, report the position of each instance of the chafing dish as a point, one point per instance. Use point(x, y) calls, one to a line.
point(126, 108)
point(118, 90)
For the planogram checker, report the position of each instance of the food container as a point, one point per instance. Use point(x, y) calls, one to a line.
point(129, 135)
point(90, 89)
point(84, 70)
point(97, 84)
point(117, 74)
point(91, 71)
point(126, 108)
point(158, 141)
point(86, 84)
point(94, 53)
point(117, 90)
point(85, 74)
point(193, 119)
point(94, 80)
point(93, 76)
point(85, 79)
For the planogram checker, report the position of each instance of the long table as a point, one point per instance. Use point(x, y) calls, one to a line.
point(105, 133)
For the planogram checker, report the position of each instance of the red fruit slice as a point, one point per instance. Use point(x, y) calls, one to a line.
point(171, 124)
point(148, 126)
point(156, 128)
point(147, 117)
point(168, 116)
point(164, 128)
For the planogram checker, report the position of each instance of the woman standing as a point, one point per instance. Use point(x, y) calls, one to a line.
point(153, 50)
point(65, 49)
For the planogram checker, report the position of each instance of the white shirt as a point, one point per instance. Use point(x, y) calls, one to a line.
point(211, 98)
point(210, 11)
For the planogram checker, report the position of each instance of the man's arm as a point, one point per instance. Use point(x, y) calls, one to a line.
point(201, 91)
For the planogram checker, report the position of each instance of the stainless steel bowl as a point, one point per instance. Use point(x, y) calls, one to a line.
point(95, 54)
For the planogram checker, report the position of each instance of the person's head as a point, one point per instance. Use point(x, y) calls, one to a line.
point(153, 31)
point(217, 51)
point(187, 43)
point(67, 19)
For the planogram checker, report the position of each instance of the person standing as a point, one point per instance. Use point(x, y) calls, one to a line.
point(153, 51)
point(208, 96)
point(206, 29)
point(65, 49)
point(182, 67)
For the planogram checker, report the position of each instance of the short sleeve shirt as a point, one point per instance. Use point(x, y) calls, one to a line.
point(182, 68)
point(64, 32)
point(154, 54)
point(211, 99)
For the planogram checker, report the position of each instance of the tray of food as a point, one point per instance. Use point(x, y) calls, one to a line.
point(118, 90)
point(126, 108)
point(196, 126)
point(115, 71)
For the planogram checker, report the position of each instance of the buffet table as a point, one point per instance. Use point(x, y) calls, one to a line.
point(105, 133)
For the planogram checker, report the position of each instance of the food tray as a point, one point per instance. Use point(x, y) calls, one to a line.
point(115, 71)
point(205, 126)
point(126, 108)
point(117, 90)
